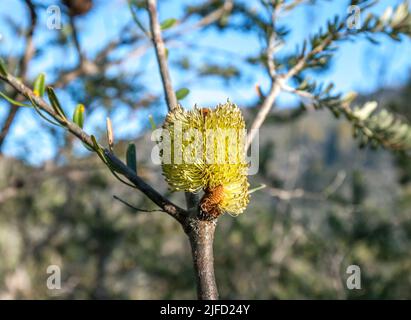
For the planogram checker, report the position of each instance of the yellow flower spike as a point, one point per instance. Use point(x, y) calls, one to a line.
point(203, 149)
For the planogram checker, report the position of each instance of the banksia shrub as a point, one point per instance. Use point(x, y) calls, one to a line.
point(203, 149)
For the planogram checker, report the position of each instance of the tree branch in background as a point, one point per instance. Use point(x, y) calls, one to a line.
point(263, 111)
point(23, 66)
point(298, 193)
point(209, 19)
point(76, 39)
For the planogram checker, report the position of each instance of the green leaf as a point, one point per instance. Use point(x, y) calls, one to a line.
point(98, 149)
point(39, 85)
point(3, 70)
point(55, 102)
point(42, 115)
point(182, 93)
point(131, 157)
point(168, 23)
point(152, 123)
point(14, 102)
point(78, 115)
point(133, 7)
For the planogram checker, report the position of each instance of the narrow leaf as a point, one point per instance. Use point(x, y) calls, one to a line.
point(55, 102)
point(14, 102)
point(131, 157)
point(3, 70)
point(182, 93)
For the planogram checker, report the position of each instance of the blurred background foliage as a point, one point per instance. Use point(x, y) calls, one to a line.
point(327, 204)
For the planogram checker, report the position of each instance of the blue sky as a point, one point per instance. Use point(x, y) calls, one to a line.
point(358, 66)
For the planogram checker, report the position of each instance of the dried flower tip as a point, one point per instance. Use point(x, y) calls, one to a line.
point(110, 134)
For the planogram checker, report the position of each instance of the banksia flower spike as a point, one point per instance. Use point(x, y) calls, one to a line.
point(203, 149)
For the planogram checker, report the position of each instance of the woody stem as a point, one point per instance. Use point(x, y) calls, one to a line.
point(201, 235)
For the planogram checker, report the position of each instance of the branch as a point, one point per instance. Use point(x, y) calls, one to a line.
point(201, 240)
point(133, 207)
point(170, 208)
point(101, 63)
point(299, 66)
point(295, 3)
point(161, 55)
point(299, 193)
point(264, 111)
point(276, 82)
point(205, 21)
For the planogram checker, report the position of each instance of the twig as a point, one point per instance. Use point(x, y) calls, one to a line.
point(23, 66)
point(133, 207)
point(271, 44)
point(303, 60)
point(293, 4)
point(307, 97)
point(279, 81)
point(205, 21)
point(173, 210)
point(100, 64)
point(287, 195)
point(137, 21)
point(263, 111)
point(161, 55)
